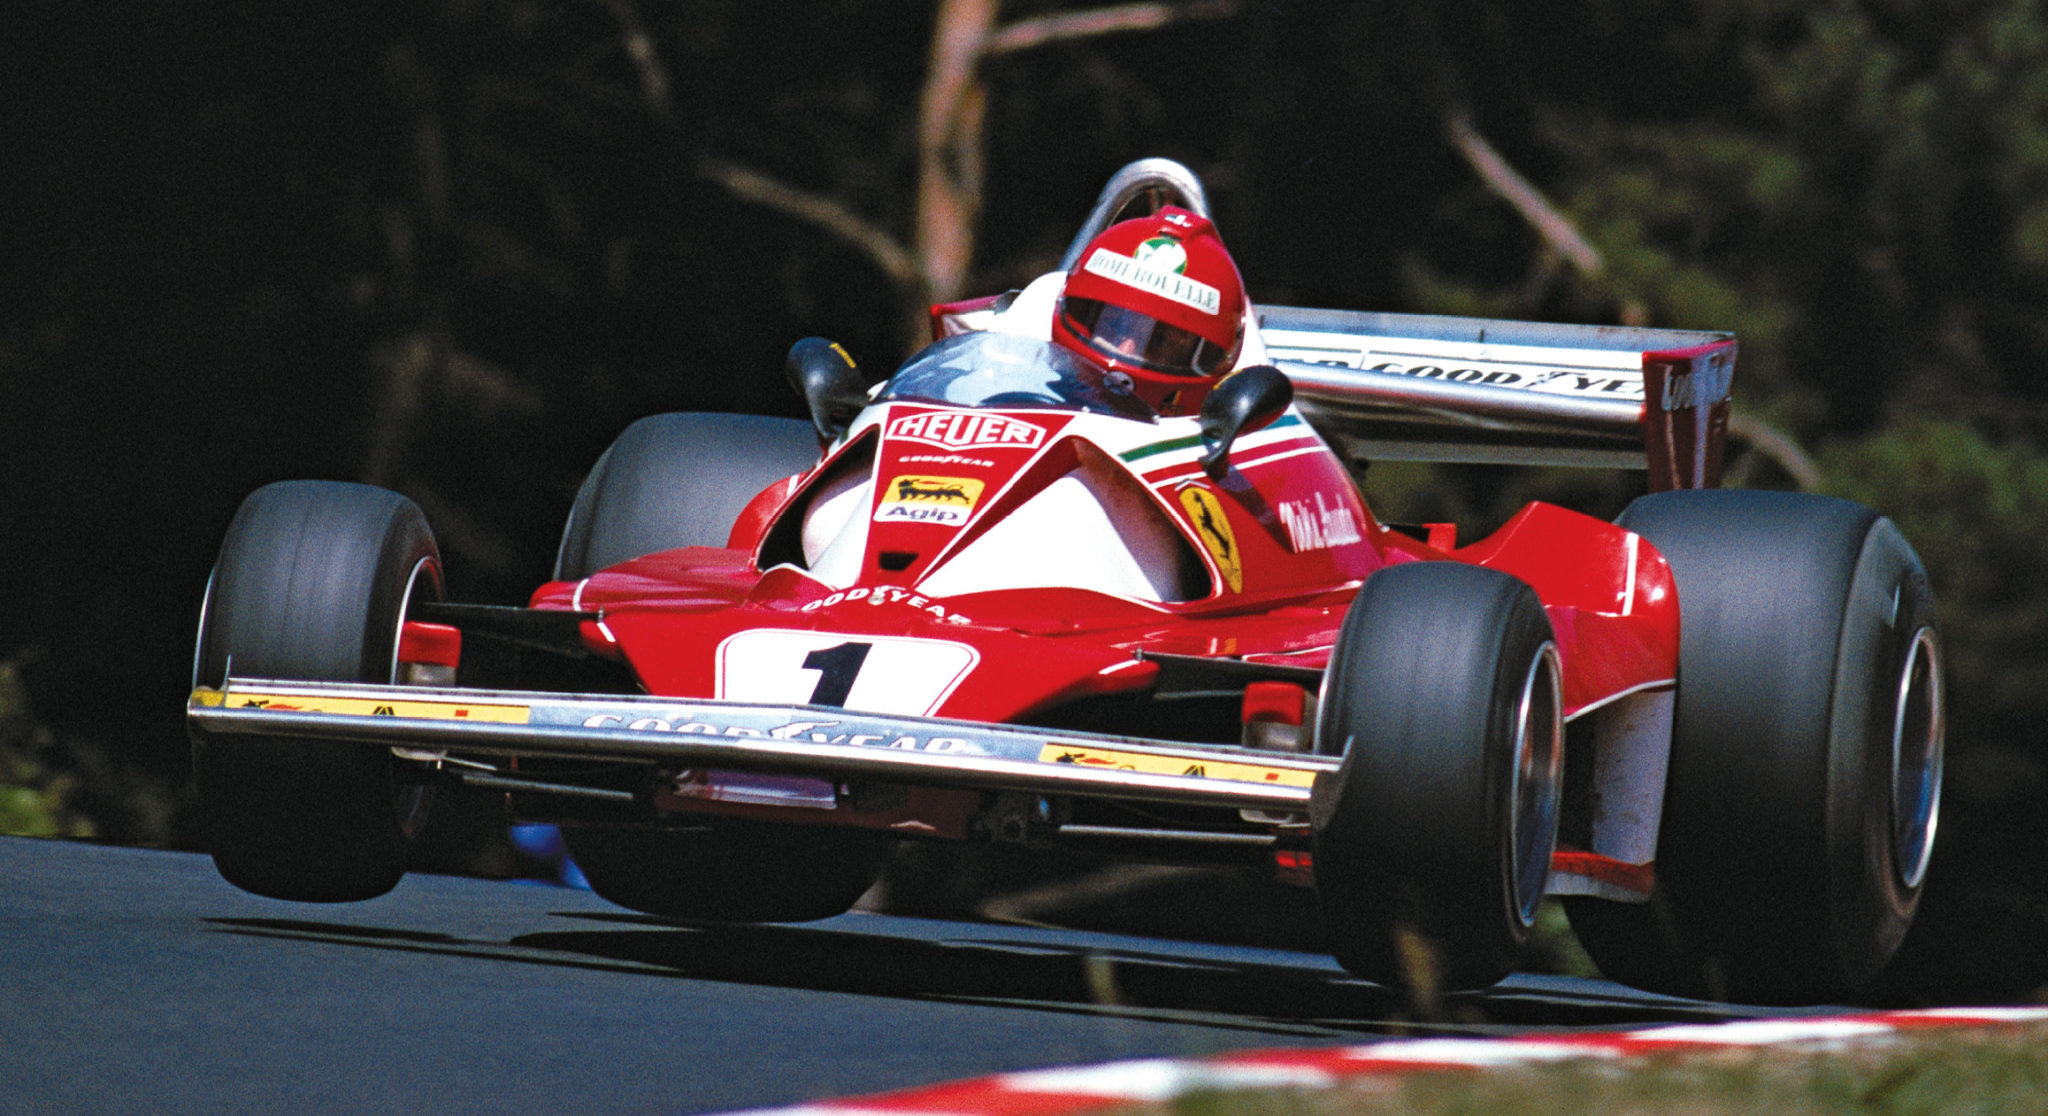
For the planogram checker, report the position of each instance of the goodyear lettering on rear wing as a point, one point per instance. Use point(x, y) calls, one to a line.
point(1586, 373)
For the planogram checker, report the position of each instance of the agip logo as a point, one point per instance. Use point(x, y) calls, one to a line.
point(968, 430)
point(947, 501)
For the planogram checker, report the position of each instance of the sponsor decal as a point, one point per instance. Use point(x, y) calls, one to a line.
point(1702, 388)
point(365, 707)
point(1556, 381)
point(1163, 253)
point(1205, 511)
point(947, 459)
point(1175, 765)
point(958, 430)
point(914, 498)
point(888, 594)
point(1152, 279)
point(1317, 524)
point(807, 732)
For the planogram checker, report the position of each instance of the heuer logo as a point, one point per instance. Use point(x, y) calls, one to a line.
point(968, 430)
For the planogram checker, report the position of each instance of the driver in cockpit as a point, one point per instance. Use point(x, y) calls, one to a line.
point(1156, 301)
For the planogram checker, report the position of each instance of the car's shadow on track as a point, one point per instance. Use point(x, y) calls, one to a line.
point(966, 962)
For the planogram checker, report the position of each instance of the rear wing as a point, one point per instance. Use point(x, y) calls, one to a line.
point(1431, 388)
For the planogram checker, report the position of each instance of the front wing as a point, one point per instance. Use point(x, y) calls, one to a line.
point(429, 724)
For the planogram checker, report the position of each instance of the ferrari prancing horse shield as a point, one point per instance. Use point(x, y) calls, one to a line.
point(1205, 511)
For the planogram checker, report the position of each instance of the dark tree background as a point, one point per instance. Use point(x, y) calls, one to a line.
point(453, 246)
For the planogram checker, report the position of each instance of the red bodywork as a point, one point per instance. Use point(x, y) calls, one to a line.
point(1292, 547)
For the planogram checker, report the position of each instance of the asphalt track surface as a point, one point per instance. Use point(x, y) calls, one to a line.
point(137, 981)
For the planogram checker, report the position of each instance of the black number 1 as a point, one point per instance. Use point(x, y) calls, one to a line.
point(837, 667)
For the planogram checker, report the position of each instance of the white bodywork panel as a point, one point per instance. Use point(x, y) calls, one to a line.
point(1079, 533)
point(1631, 750)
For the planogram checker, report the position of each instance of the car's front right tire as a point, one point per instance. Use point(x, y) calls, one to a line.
point(312, 584)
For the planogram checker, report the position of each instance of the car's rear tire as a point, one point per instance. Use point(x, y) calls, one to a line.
point(312, 584)
point(1806, 753)
point(681, 480)
point(1432, 843)
point(677, 480)
point(727, 870)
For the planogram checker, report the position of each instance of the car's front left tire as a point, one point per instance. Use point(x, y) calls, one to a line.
point(1806, 756)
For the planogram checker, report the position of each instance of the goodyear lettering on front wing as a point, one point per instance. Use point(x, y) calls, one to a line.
point(962, 742)
point(800, 731)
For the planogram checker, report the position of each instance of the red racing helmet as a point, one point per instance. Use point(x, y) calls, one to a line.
point(1157, 299)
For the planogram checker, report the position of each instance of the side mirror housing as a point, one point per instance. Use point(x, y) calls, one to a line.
point(830, 383)
point(1246, 400)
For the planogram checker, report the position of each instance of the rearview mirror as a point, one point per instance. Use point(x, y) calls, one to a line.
point(1246, 400)
point(827, 378)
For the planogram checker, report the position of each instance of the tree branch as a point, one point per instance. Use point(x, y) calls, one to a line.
point(1778, 447)
point(1037, 31)
point(639, 46)
point(752, 186)
point(1554, 227)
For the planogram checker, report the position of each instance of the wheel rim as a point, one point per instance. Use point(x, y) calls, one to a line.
point(1918, 729)
point(1537, 771)
point(432, 570)
point(411, 799)
point(199, 642)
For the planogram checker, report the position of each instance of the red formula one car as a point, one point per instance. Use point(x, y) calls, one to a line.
point(1010, 602)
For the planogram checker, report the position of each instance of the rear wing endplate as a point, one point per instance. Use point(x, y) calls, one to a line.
point(1426, 387)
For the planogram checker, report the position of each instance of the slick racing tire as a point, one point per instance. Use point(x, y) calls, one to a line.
point(1432, 843)
point(677, 480)
point(312, 584)
point(1806, 753)
point(727, 870)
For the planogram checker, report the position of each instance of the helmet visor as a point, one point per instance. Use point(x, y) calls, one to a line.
point(1135, 338)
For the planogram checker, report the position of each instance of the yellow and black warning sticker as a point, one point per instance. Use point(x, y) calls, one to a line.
point(1205, 511)
point(920, 499)
point(1201, 768)
point(369, 707)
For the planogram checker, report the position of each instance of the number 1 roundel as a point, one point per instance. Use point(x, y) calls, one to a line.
point(866, 674)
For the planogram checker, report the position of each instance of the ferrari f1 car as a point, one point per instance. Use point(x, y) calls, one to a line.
point(1005, 603)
